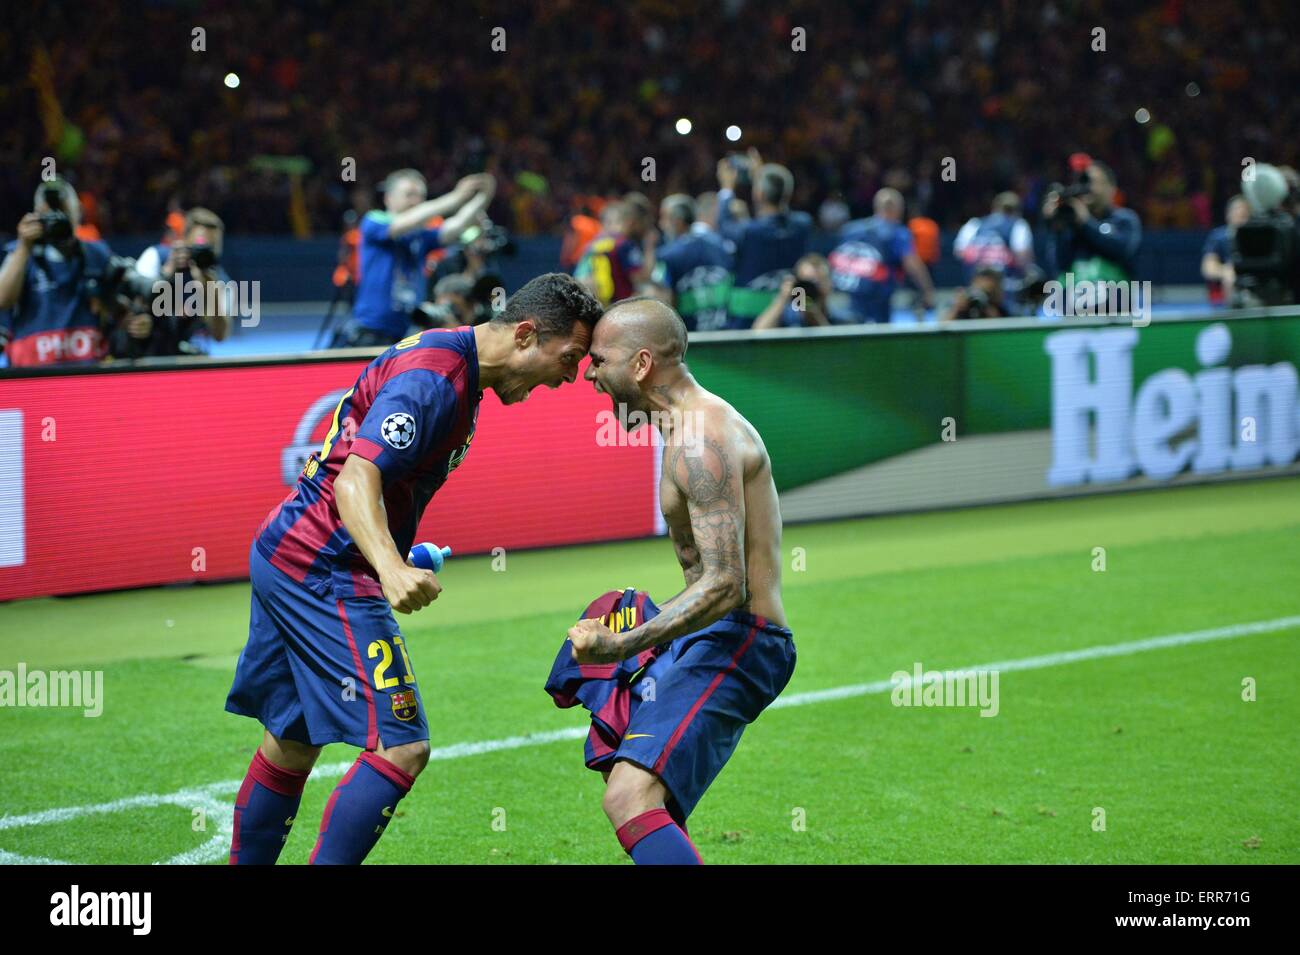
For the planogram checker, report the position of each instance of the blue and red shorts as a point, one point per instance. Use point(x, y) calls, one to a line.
point(325, 669)
point(678, 709)
point(690, 705)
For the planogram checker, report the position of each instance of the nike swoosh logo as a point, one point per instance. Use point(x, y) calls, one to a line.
point(386, 812)
point(289, 821)
point(637, 735)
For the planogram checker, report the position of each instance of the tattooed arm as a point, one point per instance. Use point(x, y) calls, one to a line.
point(710, 476)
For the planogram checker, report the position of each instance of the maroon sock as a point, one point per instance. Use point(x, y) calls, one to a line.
point(652, 838)
point(264, 811)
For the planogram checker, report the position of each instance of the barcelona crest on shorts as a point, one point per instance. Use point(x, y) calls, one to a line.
point(404, 704)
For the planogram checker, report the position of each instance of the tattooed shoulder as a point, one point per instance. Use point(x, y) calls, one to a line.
point(704, 470)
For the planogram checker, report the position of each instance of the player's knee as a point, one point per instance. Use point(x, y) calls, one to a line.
point(624, 799)
point(288, 754)
point(410, 758)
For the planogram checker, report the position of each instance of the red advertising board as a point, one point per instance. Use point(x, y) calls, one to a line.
point(129, 479)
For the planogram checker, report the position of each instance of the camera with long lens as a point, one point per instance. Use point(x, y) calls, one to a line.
point(1078, 188)
point(119, 285)
point(202, 255)
point(433, 315)
point(490, 240)
point(1266, 247)
point(1031, 291)
point(811, 290)
point(56, 225)
point(1266, 258)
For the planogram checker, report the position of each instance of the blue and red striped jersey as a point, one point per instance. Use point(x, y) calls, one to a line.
point(610, 261)
point(411, 413)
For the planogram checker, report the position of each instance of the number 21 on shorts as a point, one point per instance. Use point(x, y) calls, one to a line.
point(384, 651)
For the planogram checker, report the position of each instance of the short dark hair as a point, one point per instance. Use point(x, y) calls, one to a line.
point(553, 302)
point(681, 207)
point(775, 184)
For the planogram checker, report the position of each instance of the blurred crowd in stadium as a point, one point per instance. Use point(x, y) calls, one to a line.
point(891, 127)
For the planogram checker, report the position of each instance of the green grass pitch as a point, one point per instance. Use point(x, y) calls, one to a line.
point(1162, 741)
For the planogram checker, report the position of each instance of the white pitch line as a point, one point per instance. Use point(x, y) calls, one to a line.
point(12, 858)
point(205, 797)
point(1054, 659)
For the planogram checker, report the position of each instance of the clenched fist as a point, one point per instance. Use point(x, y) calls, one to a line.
point(410, 588)
point(593, 642)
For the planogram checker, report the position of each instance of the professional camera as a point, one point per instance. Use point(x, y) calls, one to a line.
point(489, 240)
point(119, 285)
point(202, 255)
point(979, 300)
point(432, 315)
point(811, 292)
point(56, 226)
point(1031, 291)
point(478, 296)
point(1266, 247)
point(1266, 258)
point(1079, 188)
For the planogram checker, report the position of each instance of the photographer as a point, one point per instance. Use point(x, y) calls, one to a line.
point(1088, 235)
point(196, 258)
point(871, 258)
point(476, 255)
point(46, 281)
point(452, 306)
point(1001, 239)
point(983, 298)
point(769, 244)
point(804, 299)
point(394, 244)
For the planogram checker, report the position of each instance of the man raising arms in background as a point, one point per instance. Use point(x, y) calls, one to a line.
point(394, 244)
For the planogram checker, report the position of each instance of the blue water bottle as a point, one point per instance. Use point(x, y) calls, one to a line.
point(429, 556)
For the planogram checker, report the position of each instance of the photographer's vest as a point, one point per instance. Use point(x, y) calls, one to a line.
point(991, 246)
point(867, 264)
point(52, 322)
